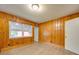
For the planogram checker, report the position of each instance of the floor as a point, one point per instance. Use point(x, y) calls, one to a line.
point(38, 49)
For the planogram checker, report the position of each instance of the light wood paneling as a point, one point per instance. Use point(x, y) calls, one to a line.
point(58, 32)
point(1, 33)
point(45, 32)
point(48, 32)
point(4, 30)
point(53, 31)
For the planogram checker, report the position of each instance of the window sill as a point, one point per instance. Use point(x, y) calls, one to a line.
point(20, 37)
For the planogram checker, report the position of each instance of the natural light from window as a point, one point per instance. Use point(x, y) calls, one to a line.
point(19, 30)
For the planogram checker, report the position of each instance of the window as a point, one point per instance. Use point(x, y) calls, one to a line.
point(27, 30)
point(19, 30)
point(27, 34)
point(15, 34)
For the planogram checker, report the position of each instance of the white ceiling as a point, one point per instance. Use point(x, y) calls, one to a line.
point(46, 12)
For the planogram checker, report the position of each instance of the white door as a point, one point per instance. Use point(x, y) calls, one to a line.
point(36, 34)
point(72, 35)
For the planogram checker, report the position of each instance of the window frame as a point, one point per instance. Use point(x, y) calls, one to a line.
point(20, 30)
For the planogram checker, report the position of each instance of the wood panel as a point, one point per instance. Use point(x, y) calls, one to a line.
point(1, 33)
point(58, 32)
point(53, 31)
point(45, 32)
point(4, 30)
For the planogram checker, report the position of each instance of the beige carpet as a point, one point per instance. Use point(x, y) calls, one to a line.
point(38, 49)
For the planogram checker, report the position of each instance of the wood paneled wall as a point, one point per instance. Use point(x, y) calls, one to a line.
point(48, 31)
point(53, 31)
point(4, 30)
